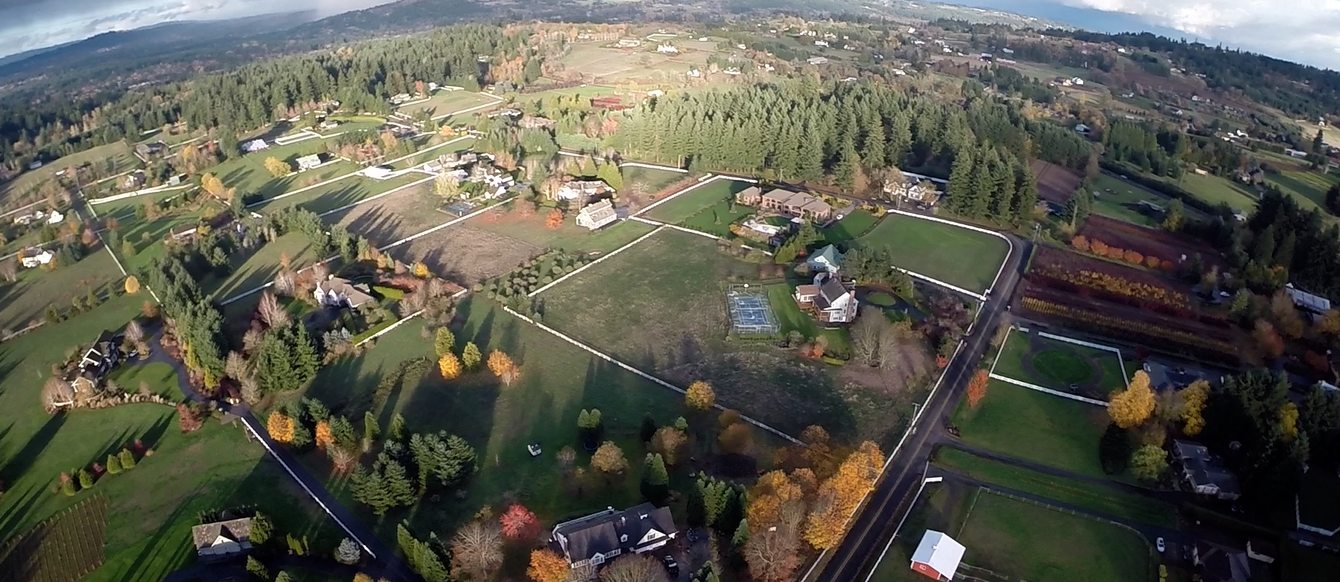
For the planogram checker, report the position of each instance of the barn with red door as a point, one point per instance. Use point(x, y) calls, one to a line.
point(937, 556)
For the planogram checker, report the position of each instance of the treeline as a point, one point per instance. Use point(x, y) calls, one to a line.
point(1152, 150)
point(1283, 242)
point(1008, 80)
point(848, 132)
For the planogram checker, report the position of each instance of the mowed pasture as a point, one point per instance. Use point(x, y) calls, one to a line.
point(955, 255)
point(112, 158)
point(248, 175)
point(394, 217)
point(151, 507)
point(447, 103)
point(1034, 426)
point(25, 301)
point(1060, 365)
point(660, 306)
point(1307, 187)
point(615, 65)
point(1120, 199)
point(715, 196)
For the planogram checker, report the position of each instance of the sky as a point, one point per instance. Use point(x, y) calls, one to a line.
point(1305, 31)
point(31, 24)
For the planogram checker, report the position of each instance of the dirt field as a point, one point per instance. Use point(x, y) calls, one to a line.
point(467, 255)
point(614, 65)
point(1056, 184)
point(1148, 241)
point(394, 217)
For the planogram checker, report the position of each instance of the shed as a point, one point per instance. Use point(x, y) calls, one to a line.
point(937, 556)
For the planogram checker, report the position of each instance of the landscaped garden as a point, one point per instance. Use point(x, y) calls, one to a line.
point(1034, 426)
point(1060, 365)
point(958, 256)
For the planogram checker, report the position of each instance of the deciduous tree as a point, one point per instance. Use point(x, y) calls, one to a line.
point(554, 219)
point(519, 523)
point(700, 396)
point(1134, 405)
point(669, 442)
point(736, 438)
point(1149, 462)
point(477, 548)
point(548, 566)
point(772, 554)
point(280, 427)
point(609, 459)
point(1194, 398)
point(449, 365)
point(977, 388)
point(132, 285)
point(634, 568)
point(502, 366)
point(277, 167)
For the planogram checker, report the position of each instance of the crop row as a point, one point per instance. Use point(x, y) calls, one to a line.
point(1118, 285)
point(1130, 326)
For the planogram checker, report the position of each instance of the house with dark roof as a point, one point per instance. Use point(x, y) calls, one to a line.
point(1204, 473)
point(825, 259)
point(588, 542)
point(828, 299)
point(340, 292)
point(222, 540)
point(98, 360)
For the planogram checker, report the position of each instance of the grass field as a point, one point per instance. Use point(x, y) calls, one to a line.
point(792, 318)
point(541, 407)
point(157, 377)
point(1015, 540)
point(1059, 365)
point(652, 180)
point(1120, 199)
point(850, 228)
point(958, 256)
point(258, 268)
point(26, 300)
point(248, 174)
point(1308, 188)
point(1216, 190)
point(568, 236)
point(1095, 498)
point(448, 102)
point(118, 153)
point(152, 506)
point(714, 196)
point(1034, 426)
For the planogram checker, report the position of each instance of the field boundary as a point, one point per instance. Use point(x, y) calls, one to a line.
point(595, 262)
point(642, 374)
point(496, 100)
point(928, 279)
point(1120, 361)
point(701, 182)
point(378, 196)
point(653, 167)
point(388, 328)
point(127, 195)
point(971, 227)
point(1031, 386)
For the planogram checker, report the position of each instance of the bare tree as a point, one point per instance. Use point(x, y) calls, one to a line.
point(236, 366)
point(634, 568)
point(9, 269)
point(344, 459)
point(477, 548)
point(271, 312)
point(866, 334)
point(251, 390)
point(56, 393)
point(320, 271)
point(134, 333)
point(251, 340)
point(772, 554)
point(284, 283)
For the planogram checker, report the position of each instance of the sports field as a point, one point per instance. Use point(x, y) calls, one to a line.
point(1060, 365)
point(958, 256)
point(1035, 426)
point(715, 197)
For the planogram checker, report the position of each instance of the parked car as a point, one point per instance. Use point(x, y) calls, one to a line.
point(671, 566)
point(1159, 544)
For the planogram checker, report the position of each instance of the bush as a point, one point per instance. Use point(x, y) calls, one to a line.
point(127, 459)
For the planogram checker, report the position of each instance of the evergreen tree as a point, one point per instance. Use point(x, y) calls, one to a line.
point(655, 479)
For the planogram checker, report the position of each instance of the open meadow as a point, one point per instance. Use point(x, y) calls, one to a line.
point(26, 300)
point(109, 159)
point(1037, 427)
point(446, 103)
point(956, 255)
point(712, 203)
point(1120, 199)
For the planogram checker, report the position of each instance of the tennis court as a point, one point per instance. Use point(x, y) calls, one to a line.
point(750, 311)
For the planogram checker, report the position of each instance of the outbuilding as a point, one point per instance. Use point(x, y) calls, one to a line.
point(937, 556)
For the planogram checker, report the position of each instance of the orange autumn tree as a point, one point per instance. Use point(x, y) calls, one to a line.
point(766, 498)
point(977, 388)
point(554, 219)
point(823, 528)
point(280, 427)
point(700, 396)
point(502, 366)
point(547, 566)
point(449, 365)
point(856, 476)
point(324, 438)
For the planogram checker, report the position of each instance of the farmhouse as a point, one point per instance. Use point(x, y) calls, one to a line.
point(582, 190)
point(34, 257)
point(339, 292)
point(1204, 473)
point(797, 204)
point(590, 541)
point(255, 145)
point(829, 299)
point(937, 556)
point(309, 162)
point(827, 259)
point(100, 358)
point(222, 540)
point(596, 215)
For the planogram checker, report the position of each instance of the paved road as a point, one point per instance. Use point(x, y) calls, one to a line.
point(874, 526)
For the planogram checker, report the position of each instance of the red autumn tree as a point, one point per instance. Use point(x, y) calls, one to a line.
point(977, 388)
point(519, 523)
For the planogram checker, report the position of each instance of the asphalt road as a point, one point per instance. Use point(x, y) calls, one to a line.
point(874, 525)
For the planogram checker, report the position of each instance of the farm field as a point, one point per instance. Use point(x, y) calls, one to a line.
point(541, 407)
point(1060, 365)
point(25, 301)
point(146, 235)
point(712, 198)
point(649, 180)
point(1038, 427)
point(612, 65)
point(115, 157)
point(1056, 184)
point(1308, 188)
point(1217, 190)
point(248, 174)
point(332, 195)
point(1148, 241)
point(445, 103)
point(660, 306)
point(531, 229)
point(958, 256)
point(1120, 199)
point(394, 217)
point(151, 506)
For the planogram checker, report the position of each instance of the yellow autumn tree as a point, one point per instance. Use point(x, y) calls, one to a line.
point(323, 437)
point(1194, 398)
point(502, 366)
point(823, 528)
point(547, 566)
point(212, 184)
point(132, 285)
point(280, 427)
point(767, 496)
point(1289, 420)
point(449, 365)
point(1134, 405)
point(277, 167)
point(700, 396)
point(420, 270)
point(856, 476)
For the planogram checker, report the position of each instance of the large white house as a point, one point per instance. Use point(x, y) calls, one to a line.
point(591, 541)
point(582, 189)
point(339, 292)
point(596, 215)
point(829, 299)
point(35, 258)
point(255, 145)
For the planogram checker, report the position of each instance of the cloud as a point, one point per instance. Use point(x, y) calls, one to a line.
point(1307, 31)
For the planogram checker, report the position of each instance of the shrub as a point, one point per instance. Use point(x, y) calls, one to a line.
point(127, 459)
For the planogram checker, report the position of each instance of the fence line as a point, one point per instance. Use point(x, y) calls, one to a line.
point(701, 181)
point(1095, 346)
point(388, 328)
point(916, 275)
point(378, 196)
point(142, 192)
point(971, 227)
point(644, 375)
point(653, 167)
point(1031, 386)
point(594, 263)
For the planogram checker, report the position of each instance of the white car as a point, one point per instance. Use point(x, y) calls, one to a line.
point(1159, 544)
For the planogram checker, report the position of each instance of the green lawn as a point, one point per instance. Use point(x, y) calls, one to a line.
point(1215, 190)
point(26, 300)
point(1118, 504)
point(1058, 365)
point(652, 180)
point(792, 318)
point(718, 193)
point(153, 506)
point(248, 174)
point(260, 267)
point(1030, 542)
point(557, 381)
point(1038, 427)
point(1120, 199)
point(447, 102)
point(1307, 187)
point(942, 507)
point(850, 228)
point(958, 256)
point(157, 377)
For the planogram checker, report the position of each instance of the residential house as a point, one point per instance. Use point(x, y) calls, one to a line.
point(1204, 473)
point(666, 48)
point(827, 259)
point(535, 122)
point(98, 360)
point(134, 180)
point(1083, 129)
point(309, 162)
point(628, 43)
point(596, 215)
point(222, 540)
point(829, 299)
point(799, 204)
point(255, 145)
point(339, 292)
point(937, 556)
point(146, 150)
point(914, 189)
point(817, 60)
point(588, 542)
point(35, 257)
point(582, 190)
point(1219, 564)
